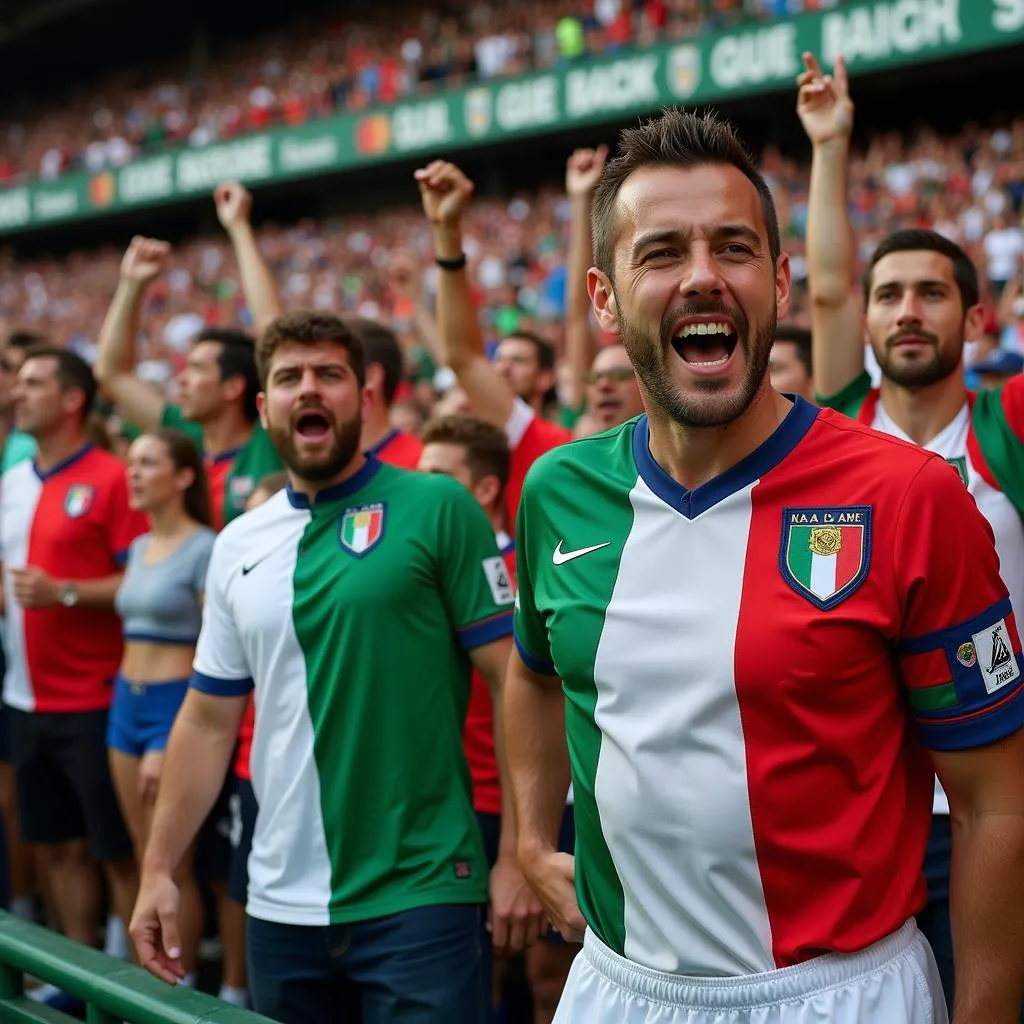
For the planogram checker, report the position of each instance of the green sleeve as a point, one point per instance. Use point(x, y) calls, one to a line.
point(258, 458)
point(531, 635)
point(850, 399)
point(474, 581)
point(995, 419)
point(172, 417)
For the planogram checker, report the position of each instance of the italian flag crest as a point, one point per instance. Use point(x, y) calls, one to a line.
point(826, 552)
point(361, 528)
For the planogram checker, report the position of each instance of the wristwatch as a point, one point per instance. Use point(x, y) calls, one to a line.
point(68, 595)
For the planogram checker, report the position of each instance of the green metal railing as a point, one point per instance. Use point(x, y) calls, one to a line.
point(112, 990)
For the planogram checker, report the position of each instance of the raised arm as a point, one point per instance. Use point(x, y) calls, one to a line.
point(406, 277)
point(234, 208)
point(582, 173)
point(446, 192)
point(826, 112)
point(144, 260)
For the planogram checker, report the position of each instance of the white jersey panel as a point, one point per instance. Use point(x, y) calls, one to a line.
point(671, 781)
point(251, 572)
point(19, 496)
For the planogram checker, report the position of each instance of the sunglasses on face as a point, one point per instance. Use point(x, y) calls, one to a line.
point(617, 376)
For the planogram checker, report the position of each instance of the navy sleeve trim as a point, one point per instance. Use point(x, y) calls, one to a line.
point(120, 559)
point(220, 687)
point(162, 638)
point(480, 633)
point(532, 662)
point(976, 730)
point(941, 637)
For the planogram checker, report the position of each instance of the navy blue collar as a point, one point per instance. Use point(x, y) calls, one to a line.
point(45, 474)
point(767, 456)
point(383, 442)
point(338, 492)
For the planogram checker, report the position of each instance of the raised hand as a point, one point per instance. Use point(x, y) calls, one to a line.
point(144, 260)
point(583, 170)
point(234, 204)
point(823, 101)
point(445, 192)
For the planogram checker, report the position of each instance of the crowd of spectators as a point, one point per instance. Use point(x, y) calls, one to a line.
point(312, 70)
point(969, 187)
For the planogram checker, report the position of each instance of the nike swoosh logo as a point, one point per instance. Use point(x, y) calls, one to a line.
point(560, 557)
point(246, 569)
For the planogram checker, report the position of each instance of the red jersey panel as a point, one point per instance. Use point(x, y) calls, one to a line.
point(218, 469)
point(529, 437)
point(399, 449)
point(478, 731)
point(245, 742)
point(75, 524)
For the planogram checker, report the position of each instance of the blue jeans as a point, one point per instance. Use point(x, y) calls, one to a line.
point(423, 966)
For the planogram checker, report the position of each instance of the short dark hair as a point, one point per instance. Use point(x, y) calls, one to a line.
point(916, 239)
point(380, 346)
point(72, 372)
point(676, 138)
point(24, 339)
point(237, 358)
point(544, 349)
point(800, 339)
point(487, 451)
point(310, 327)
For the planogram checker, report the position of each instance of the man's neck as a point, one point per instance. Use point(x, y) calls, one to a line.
point(497, 517)
point(311, 488)
point(59, 446)
point(376, 427)
point(694, 455)
point(923, 413)
point(227, 432)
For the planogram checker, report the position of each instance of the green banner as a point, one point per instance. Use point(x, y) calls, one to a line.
point(714, 68)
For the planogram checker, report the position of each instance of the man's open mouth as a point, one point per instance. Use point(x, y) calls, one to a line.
point(706, 344)
point(312, 425)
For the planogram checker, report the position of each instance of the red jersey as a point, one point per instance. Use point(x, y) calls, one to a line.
point(529, 437)
point(399, 449)
point(218, 469)
point(244, 748)
point(74, 523)
point(478, 731)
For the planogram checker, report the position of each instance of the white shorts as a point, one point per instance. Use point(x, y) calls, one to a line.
point(895, 981)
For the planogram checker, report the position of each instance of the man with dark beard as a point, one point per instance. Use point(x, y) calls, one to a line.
point(732, 614)
point(920, 304)
point(354, 604)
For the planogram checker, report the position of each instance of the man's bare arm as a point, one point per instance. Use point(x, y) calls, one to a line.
point(582, 174)
point(195, 764)
point(826, 111)
point(259, 286)
point(985, 787)
point(446, 192)
point(145, 259)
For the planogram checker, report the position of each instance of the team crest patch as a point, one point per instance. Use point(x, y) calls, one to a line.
point(78, 500)
point(825, 552)
point(967, 655)
point(361, 528)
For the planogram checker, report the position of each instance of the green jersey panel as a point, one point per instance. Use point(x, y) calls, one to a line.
point(256, 458)
point(557, 525)
point(850, 399)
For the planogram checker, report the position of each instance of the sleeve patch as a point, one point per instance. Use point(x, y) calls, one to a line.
point(498, 580)
point(992, 649)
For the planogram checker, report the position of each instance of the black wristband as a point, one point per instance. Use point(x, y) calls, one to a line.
point(456, 264)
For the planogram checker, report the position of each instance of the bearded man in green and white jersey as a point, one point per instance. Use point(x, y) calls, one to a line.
point(354, 604)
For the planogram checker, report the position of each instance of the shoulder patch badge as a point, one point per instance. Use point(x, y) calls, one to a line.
point(825, 551)
point(78, 500)
point(361, 528)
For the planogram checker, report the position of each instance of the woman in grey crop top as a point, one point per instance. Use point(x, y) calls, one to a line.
point(160, 604)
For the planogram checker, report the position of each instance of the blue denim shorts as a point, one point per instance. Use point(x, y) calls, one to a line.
point(141, 715)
